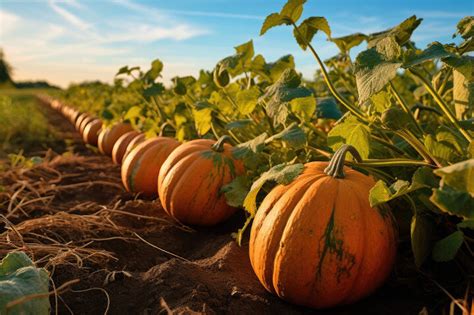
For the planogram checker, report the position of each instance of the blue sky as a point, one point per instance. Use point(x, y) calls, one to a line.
point(76, 40)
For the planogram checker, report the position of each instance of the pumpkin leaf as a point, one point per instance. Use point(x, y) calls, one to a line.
point(293, 135)
point(281, 173)
point(327, 108)
point(291, 12)
point(155, 70)
point(381, 193)
point(435, 51)
point(303, 107)
point(468, 224)
point(241, 123)
point(345, 43)
point(465, 27)
point(155, 89)
point(133, 113)
point(352, 132)
point(464, 64)
point(402, 32)
point(305, 32)
point(453, 201)
point(422, 229)
point(203, 120)
point(247, 100)
point(447, 248)
point(459, 176)
point(20, 278)
point(373, 71)
point(236, 191)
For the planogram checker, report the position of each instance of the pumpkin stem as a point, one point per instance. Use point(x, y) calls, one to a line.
point(162, 128)
point(336, 164)
point(219, 145)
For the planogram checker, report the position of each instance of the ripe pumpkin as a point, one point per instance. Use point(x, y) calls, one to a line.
point(141, 166)
point(108, 136)
point(317, 241)
point(84, 123)
point(190, 181)
point(80, 119)
point(121, 144)
point(133, 143)
point(91, 132)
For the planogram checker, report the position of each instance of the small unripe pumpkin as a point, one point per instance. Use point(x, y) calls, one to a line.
point(317, 242)
point(121, 144)
point(91, 132)
point(108, 136)
point(191, 179)
point(142, 165)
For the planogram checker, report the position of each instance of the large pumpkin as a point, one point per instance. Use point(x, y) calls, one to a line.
point(108, 136)
point(141, 166)
point(91, 132)
point(317, 241)
point(191, 180)
point(121, 144)
point(133, 144)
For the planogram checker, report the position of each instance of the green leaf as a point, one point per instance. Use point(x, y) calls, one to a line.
point(447, 248)
point(435, 51)
point(271, 21)
point(345, 43)
point(255, 145)
point(133, 113)
point(463, 64)
point(236, 191)
point(459, 176)
point(389, 48)
point(20, 278)
point(466, 27)
point(381, 101)
point(381, 193)
point(247, 100)
point(305, 32)
point(422, 230)
point(202, 120)
point(441, 150)
point(303, 107)
point(372, 73)
point(292, 10)
point(293, 135)
point(281, 173)
point(246, 52)
point(155, 89)
point(242, 123)
point(395, 118)
point(401, 32)
point(454, 202)
point(155, 70)
point(327, 108)
point(468, 224)
point(106, 114)
point(352, 132)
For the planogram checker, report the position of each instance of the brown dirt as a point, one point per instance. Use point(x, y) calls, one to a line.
point(72, 215)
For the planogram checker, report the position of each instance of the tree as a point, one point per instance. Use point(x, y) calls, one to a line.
point(5, 70)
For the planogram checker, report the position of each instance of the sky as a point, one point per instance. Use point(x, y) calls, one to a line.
point(77, 40)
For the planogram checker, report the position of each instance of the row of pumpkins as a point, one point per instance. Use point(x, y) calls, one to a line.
point(315, 242)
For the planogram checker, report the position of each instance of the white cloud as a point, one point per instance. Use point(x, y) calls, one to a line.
point(68, 16)
point(8, 22)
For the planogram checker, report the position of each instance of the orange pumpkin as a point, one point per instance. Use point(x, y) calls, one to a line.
point(79, 120)
point(135, 142)
point(84, 123)
point(91, 132)
point(141, 166)
point(191, 179)
point(108, 136)
point(317, 241)
point(121, 145)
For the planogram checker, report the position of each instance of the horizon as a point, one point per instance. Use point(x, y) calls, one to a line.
point(72, 42)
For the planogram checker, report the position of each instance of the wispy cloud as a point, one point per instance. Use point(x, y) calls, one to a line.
point(443, 14)
point(216, 14)
point(8, 21)
point(68, 16)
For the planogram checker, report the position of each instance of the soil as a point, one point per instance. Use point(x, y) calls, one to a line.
point(76, 220)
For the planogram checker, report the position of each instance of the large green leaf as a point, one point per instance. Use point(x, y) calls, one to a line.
point(20, 278)
point(401, 32)
point(305, 32)
point(328, 108)
point(236, 191)
point(447, 248)
point(247, 100)
point(463, 64)
point(290, 13)
point(422, 230)
point(466, 27)
point(459, 176)
point(435, 51)
point(303, 107)
point(203, 119)
point(373, 71)
point(352, 132)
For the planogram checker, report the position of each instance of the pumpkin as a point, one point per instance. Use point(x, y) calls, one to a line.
point(108, 136)
point(91, 132)
point(133, 143)
point(84, 123)
point(190, 181)
point(79, 120)
point(141, 166)
point(317, 242)
point(121, 144)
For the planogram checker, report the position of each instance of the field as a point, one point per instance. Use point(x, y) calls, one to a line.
point(248, 189)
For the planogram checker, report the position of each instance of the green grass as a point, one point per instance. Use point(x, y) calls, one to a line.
point(23, 125)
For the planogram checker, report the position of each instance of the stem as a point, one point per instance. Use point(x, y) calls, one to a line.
point(214, 131)
point(219, 145)
point(354, 110)
point(162, 128)
point(405, 107)
point(336, 164)
point(444, 107)
point(418, 146)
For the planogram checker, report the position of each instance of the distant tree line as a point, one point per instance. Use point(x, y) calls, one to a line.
point(6, 80)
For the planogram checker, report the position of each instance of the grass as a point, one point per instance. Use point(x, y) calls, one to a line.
point(23, 125)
